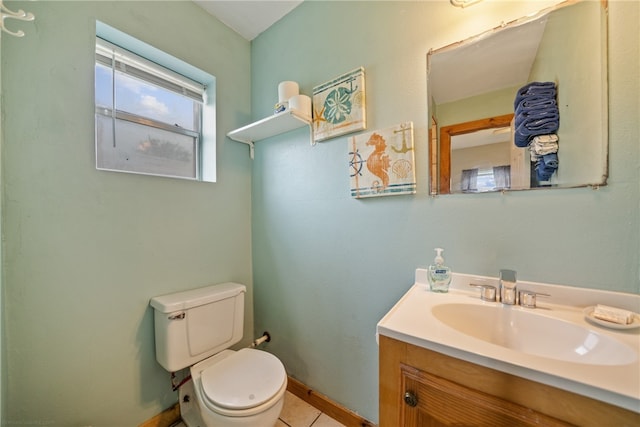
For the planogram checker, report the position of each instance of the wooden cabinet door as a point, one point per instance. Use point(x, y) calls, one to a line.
point(432, 401)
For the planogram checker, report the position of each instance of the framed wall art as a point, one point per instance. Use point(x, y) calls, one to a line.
point(339, 106)
point(381, 163)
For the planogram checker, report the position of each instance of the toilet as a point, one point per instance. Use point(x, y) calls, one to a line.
point(228, 388)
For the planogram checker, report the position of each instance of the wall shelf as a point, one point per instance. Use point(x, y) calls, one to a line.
point(274, 125)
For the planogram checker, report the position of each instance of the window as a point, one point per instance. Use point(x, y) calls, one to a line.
point(149, 119)
point(486, 179)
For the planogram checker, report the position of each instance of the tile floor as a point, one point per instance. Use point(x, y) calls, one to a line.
point(298, 413)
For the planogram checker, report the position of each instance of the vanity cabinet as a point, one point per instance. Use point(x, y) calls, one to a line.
point(421, 387)
point(430, 400)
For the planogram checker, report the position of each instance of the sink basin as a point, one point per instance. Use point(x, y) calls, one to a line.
point(527, 332)
point(553, 344)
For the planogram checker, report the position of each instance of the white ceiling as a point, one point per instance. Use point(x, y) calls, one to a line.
point(248, 18)
point(481, 137)
point(504, 60)
point(495, 60)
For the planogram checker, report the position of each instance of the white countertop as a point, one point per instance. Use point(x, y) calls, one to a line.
point(411, 320)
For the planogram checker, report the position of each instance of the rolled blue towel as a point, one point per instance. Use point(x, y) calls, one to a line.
point(550, 161)
point(541, 126)
point(547, 89)
point(540, 111)
point(527, 128)
point(534, 103)
point(544, 173)
point(521, 140)
point(537, 88)
point(543, 176)
point(532, 86)
point(531, 119)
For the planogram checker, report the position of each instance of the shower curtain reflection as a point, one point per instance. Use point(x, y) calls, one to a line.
point(469, 182)
point(502, 177)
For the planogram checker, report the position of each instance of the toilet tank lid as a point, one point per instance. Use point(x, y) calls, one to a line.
point(196, 297)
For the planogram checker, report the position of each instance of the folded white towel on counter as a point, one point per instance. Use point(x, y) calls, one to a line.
point(612, 314)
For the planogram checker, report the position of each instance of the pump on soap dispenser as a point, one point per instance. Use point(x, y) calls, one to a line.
point(439, 274)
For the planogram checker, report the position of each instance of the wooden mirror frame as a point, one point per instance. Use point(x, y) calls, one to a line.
point(443, 183)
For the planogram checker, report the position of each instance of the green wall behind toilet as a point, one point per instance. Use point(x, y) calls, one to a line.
point(85, 250)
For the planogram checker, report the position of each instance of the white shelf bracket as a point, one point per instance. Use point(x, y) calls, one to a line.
point(251, 147)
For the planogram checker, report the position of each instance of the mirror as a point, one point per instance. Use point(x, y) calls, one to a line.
point(522, 106)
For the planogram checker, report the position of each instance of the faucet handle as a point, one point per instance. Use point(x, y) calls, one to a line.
point(528, 298)
point(487, 292)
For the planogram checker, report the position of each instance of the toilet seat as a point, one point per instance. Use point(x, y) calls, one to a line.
point(240, 383)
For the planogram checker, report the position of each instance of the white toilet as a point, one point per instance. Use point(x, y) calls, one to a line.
point(227, 388)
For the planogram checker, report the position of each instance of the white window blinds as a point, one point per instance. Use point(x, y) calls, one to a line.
point(115, 57)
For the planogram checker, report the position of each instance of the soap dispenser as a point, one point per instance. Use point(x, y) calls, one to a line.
point(439, 274)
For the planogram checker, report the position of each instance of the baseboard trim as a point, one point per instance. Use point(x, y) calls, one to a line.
point(319, 401)
point(326, 405)
point(166, 418)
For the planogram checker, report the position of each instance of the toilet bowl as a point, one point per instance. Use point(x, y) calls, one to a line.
point(195, 329)
point(238, 389)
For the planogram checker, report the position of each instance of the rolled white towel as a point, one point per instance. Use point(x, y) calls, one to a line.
point(544, 144)
point(545, 139)
point(612, 314)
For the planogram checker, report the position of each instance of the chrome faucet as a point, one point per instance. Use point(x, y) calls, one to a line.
point(508, 292)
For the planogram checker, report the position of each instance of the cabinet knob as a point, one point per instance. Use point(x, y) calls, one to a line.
point(410, 399)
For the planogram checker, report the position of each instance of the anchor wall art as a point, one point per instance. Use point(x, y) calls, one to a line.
point(339, 106)
point(381, 163)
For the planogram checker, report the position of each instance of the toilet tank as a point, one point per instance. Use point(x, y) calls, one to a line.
point(195, 324)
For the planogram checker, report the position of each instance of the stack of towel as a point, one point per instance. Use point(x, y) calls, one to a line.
point(544, 149)
point(536, 122)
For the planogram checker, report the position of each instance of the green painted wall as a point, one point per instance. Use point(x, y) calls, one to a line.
point(2, 345)
point(85, 250)
point(496, 103)
point(327, 267)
